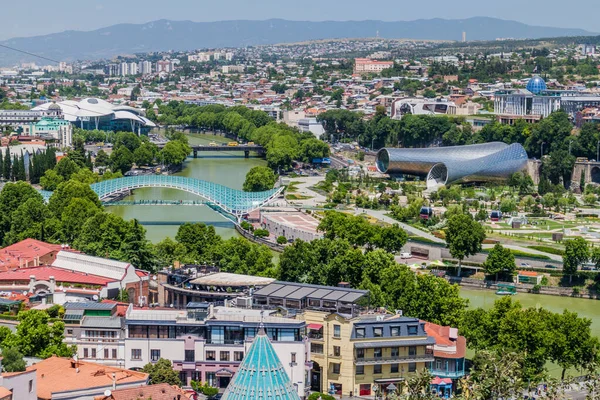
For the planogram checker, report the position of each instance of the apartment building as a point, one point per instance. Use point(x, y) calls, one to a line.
point(363, 355)
point(208, 344)
point(366, 65)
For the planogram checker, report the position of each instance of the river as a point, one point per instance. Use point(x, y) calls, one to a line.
point(584, 307)
point(228, 169)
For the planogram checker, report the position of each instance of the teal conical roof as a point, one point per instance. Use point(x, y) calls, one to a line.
point(261, 375)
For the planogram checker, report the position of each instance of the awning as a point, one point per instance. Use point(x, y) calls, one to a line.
point(314, 327)
point(224, 373)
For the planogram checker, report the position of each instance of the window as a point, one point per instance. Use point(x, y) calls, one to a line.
point(69, 331)
point(183, 377)
point(197, 376)
point(154, 354)
point(293, 358)
point(412, 367)
point(360, 333)
point(377, 353)
point(238, 355)
point(413, 330)
point(360, 353)
point(394, 368)
point(337, 331)
point(211, 356)
point(412, 351)
point(395, 351)
point(136, 354)
point(336, 368)
point(336, 351)
point(316, 348)
point(114, 353)
point(93, 353)
point(395, 331)
point(224, 356)
point(377, 369)
point(211, 379)
point(30, 385)
point(360, 370)
point(190, 355)
point(106, 352)
point(85, 352)
point(378, 332)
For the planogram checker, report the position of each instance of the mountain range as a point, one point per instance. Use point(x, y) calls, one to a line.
point(165, 35)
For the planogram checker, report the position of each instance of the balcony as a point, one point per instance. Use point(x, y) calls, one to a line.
point(448, 374)
point(315, 336)
point(394, 359)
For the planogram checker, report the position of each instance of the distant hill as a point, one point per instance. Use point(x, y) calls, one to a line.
point(186, 35)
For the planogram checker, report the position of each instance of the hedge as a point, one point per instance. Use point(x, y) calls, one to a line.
point(548, 249)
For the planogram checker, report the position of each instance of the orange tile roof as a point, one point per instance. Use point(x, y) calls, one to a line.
point(56, 375)
point(5, 393)
point(162, 391)
point(441, 334)
point(528, 273)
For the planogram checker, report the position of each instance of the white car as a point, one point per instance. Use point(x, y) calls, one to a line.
point(405, 256)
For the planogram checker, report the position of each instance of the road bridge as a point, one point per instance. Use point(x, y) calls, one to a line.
point(246, 149)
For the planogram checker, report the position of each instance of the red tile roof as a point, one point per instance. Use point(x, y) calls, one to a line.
point(162, 391)
point(57, 375)
point(445, 346)
point(59, 274)
point(27, 250)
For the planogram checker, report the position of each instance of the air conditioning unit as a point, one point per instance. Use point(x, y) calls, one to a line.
point(244, 302)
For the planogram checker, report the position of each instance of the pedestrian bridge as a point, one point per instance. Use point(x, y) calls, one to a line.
point(231, 201)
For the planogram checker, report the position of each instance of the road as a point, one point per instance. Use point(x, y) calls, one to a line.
point(381, 215)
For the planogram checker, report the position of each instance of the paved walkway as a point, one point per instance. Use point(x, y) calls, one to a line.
point(554, 257)
point(381, 215)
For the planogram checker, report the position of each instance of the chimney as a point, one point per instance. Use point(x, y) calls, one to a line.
point(114, 379)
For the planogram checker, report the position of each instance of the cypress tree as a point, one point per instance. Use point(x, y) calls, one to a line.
point(1, 165)
point(15, 168)
point(7, 165)
point(29, 170)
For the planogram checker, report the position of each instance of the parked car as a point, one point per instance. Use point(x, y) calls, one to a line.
point(405, 256)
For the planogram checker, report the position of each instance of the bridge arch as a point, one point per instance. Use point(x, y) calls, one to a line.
point(595, 175)
point(231, 201)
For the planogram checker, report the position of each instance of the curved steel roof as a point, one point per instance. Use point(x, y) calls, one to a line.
point(478, 162)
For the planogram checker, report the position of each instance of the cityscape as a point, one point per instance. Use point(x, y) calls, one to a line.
point(278, 209)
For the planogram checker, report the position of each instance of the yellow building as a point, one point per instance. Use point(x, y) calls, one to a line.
point(363, 354)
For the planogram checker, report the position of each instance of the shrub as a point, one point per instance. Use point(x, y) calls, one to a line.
point(536, 289)
point(281, 240)
point(544, 281)
point(261, 233)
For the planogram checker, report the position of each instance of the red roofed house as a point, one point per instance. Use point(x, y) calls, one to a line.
point(62, 276)
point(162, 391)
point(28, 253)
point(449, 354)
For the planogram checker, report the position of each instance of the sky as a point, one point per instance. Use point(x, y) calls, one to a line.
point(38, 17)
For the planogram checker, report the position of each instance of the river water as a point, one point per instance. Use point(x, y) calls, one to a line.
point(224, 168)
point(584, 307)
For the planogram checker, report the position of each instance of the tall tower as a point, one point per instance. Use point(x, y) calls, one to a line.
point(464, 37)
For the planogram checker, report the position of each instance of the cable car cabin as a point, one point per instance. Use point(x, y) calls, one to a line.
point(496, 216)
point(426, 212)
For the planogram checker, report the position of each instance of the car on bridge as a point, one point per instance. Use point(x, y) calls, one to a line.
point(232, 144)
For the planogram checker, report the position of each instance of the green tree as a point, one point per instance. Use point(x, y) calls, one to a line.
point(464, 236)
point(35, 337)
point(259, 179)
point(162, 372)
point(6, 169)
point(198, 239)
point(28, 221)
point(143, 155)
point(127, 139)
point(51, 180)
point(313, 148)
point(281, 240)
point(12, 360)
point(175, 153)
point(102, 159)
point(576, 253)
point(65, 168)
point(121, 159)
point(66, 192)
point(74, 216)
point(392, 238)
point(499, 260)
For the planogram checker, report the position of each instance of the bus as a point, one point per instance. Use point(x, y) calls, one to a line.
point(496, 216)
point(426, 212)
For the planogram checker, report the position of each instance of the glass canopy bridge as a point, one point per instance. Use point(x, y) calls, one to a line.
point(221, 198)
